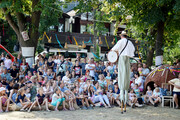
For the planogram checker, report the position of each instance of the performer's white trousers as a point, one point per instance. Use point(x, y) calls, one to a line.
point(123, 77)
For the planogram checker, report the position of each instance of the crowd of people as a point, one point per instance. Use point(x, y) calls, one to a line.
point(60, 82)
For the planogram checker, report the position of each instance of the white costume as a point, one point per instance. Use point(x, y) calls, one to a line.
point(124, 66)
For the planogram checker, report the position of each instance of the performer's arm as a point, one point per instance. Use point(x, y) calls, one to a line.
point(116, 47)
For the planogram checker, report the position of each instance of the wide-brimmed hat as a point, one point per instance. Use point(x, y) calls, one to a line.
point(123, 33)
point(2, 89)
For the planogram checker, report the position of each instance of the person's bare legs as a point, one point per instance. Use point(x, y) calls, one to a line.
point(57, 105)
point(1, 105)
point(91, 102)
point(151, 100)
point(64, 105)
point(87, 103)
point(145, 99)
point(82, 102)
point(26, 104)
point(72, 103)
point(46, 103)
point(157, 100)
point(176, 100)
point(7, 105)
point(118, 102)
point(32, 106)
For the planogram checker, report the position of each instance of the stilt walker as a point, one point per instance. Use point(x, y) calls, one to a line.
point(126, 49)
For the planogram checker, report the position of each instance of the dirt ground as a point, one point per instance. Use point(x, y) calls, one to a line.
point(145, 113)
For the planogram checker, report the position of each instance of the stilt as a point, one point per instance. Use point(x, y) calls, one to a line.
point(125, 108)
point(122, 107)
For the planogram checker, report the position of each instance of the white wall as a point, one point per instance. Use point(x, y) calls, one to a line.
point(66, 25)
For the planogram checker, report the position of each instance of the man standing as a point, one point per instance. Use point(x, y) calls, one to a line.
point(176, 91)
point(145, 72)
point(125, 49)
point(61, 68)
point(78, 69)
point(91, 67)
point(83, 64)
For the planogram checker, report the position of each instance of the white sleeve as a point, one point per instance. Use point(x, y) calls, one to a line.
point(86, 67)
point(116, 47)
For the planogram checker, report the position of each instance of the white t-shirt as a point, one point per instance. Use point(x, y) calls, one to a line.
point(110, 69)
point(145, 71)
point(65, 79)
point(91, 72)
point(54, 98)
point(57, 61)
point(138, 81)
point(7, 63)
point(176, 81)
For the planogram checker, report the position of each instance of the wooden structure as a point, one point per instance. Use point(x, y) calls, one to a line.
point(159, 75)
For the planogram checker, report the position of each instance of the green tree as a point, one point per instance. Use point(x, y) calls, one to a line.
point(160, 15)
point(93, 6)
point(30, 16)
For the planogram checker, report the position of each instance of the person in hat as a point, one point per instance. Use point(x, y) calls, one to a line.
point(125, 49)
point(4, 101)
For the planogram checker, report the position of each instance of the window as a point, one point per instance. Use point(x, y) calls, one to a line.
point(61, 28)
point(83, 28)
point(51, 27)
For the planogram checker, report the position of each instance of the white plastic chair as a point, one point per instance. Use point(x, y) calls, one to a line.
point(169, 96)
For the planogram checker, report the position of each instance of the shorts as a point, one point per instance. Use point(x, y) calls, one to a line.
point(19, 104)
point(59, 100)
point(3, 100)
point(177, 93)
point(141, 89)
point(79, 102)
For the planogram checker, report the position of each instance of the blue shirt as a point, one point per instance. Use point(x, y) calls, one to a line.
point(83, 68)
point(7, 76)
point(63, 89)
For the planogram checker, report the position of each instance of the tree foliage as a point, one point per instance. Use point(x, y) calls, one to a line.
point(147, 18)
point(33, 16)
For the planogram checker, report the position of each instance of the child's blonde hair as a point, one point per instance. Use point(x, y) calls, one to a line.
point(19, 92)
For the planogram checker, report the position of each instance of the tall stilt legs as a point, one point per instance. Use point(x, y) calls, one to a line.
point(122, 107)
point(125, 107)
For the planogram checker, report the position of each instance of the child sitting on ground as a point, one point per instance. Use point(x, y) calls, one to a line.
point(148, 94)
point(155, 98)
point(40, 100)
point(69, 99)
point(58, 99)
point(132, 98)
point(21, 100)
point(4, 101)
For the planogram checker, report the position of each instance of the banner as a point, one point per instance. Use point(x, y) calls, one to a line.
point(58, 41)
point(106, 42)
point(75, 41)
point(69, 39)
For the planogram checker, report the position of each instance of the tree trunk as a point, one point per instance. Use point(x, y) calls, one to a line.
point(95, 32)
point(150, 55)
point(159, 43)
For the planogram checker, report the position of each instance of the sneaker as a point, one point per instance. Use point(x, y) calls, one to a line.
point(84, 108)
point(132, 105)
point(155, 105)
point(177, 107)
point(141, 105)
point(89, 107)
